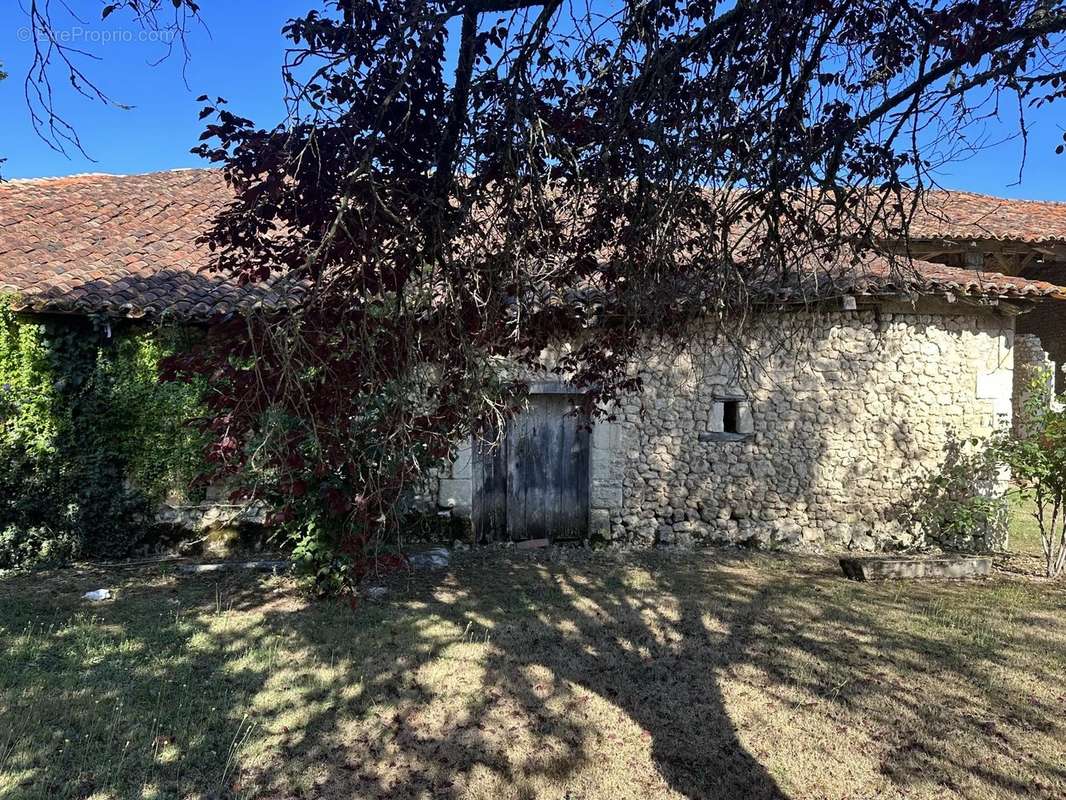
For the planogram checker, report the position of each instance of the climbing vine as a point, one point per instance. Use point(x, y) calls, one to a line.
point(90, 440)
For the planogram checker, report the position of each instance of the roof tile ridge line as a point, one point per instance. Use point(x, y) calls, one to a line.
point(149, 174)
point(987, 196)
point(52, 178)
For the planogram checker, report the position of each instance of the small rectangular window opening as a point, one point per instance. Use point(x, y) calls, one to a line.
point(730, 414)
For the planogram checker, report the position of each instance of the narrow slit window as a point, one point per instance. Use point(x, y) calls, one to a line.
point(730, 416)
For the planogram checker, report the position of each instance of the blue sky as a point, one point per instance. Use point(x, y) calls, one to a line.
point(239, 58)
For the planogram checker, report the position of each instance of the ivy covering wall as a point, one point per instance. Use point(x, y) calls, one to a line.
point(91, 442)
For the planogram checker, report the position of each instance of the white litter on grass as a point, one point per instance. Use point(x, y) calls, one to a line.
point(377, 592)
point(97, 595)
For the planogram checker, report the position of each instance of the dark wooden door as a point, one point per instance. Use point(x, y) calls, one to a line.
point(490, 491)
point(535, 483)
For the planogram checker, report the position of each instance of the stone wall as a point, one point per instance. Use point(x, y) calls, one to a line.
point(1031, 364)
point(1046, 321)
point(841, 423)
point(813, 444)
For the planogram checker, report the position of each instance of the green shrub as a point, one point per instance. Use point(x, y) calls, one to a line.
point(962, 506)
point(1037, 460)
point(90, 440)
point(35, 547)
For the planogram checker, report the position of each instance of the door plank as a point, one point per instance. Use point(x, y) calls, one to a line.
point(547, 472)
point(535, 483)
point(489, 501)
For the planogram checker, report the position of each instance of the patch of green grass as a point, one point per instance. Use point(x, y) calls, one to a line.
point(590, 675)
point(1024, 530)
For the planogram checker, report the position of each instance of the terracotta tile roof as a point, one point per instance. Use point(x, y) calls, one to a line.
point(118, 245)
point(877, 277)
point(965, 215)
point(126, 246)
point(974, 283)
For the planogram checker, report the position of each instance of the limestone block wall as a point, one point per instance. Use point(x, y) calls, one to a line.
point(810, 444)
point(836, 427)
point(455, 488)
point(1031, 365)
point(1046, 321)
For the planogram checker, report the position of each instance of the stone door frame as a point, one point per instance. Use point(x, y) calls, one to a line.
point(605, 471)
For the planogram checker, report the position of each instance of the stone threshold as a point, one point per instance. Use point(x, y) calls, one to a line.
point(882, 568)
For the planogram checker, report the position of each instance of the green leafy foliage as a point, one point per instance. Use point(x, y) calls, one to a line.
point(320, 563)
point(331, 522)
point(1037, 460)
point(90, 440)
point(962, 506)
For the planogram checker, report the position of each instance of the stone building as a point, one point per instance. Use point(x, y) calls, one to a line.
point(810, 439)
point(818, 443)
point(1025, 238)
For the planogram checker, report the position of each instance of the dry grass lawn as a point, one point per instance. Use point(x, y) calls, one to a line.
point(721, 675)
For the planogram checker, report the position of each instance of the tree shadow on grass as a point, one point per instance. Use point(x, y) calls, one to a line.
point(594, 676)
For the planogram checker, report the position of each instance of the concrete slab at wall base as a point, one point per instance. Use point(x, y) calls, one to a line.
point(226, 566)
point(915, 567)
